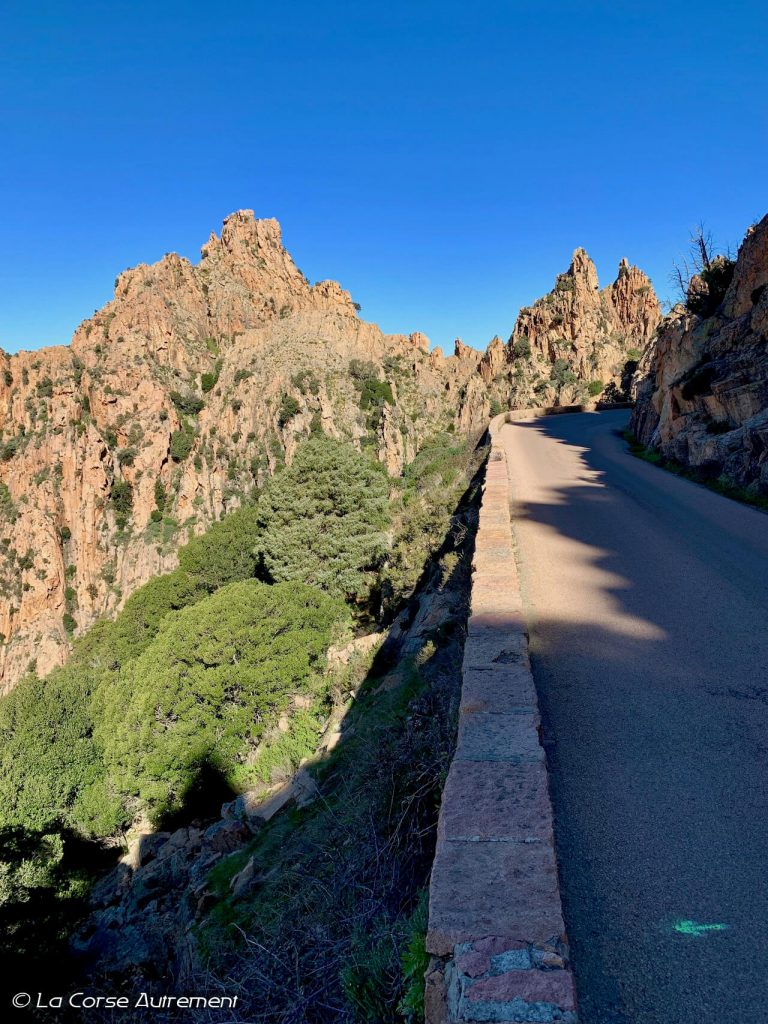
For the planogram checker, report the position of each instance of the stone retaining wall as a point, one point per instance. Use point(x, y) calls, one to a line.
point(496, 933)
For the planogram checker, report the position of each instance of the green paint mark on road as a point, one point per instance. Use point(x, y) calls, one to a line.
point(695, 929)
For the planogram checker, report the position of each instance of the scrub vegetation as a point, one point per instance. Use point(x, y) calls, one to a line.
point(721, 484)
point(189, 681)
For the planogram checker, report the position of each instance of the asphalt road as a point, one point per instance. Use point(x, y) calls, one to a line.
point(647, 600)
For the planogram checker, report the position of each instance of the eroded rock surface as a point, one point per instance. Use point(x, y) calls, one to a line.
point(197, 381)
point(702, 389)
point(171, 403)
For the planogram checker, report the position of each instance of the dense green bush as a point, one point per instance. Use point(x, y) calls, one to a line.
point(39, 899)
point(522, 348)
point(595, 387)
point(322, 520)
point(189, 404)
point(48, 760)
point(306, 382)
point(182, 442)
point(121, 496)
point(7, 506)
point(289, 408)
point(225, 553)
point(422, 511)
point(202, 692)
point(9, 448)
point(562, 373)
point(374, 393)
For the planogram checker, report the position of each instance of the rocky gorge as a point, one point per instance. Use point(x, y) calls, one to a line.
point(196, 382)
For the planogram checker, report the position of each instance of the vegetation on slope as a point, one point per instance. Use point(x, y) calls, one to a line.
point(200, 663)
point(333, 927)
point(722, 484)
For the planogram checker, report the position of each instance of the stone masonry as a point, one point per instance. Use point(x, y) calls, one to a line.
point(496, 934)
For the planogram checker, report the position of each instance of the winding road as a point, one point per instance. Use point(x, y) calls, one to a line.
point(647, 602)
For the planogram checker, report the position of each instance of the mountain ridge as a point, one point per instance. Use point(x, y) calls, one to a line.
point(196, 382)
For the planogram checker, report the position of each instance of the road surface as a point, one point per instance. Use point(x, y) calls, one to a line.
point(647, 601)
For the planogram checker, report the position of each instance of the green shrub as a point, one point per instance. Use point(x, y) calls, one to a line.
point(45, 388)
point(8, 510)
point(121, 497)
point(39, 901)
point(161, 495)
point(109, 645)
point(182, 442)
point(126, 456)
point(9, 448)
point(414, 961)
point(204, 689)
point(225, 553)
point(189, 404)
point(562, 373)
point(289, 408)
point(375, 393)
point(323, 519)
point(522, 348)
point(306, 382)
point(208, 381)
point(48, 760)
point(360, 370)
point(595, 387)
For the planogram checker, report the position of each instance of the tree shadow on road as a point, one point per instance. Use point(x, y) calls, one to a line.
point(659, 810)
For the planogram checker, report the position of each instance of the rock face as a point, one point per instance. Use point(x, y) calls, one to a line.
point(197, 381)
point(702, 388)
point(170, 405)
point(579, 335)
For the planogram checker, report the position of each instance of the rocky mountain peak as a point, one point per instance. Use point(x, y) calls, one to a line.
point(583, 272)
point(578, 335)
point(197, 381)
point(184, 392)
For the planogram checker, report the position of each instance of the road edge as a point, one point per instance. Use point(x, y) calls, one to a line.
point(496, 935)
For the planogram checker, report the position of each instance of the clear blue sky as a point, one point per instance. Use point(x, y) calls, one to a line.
point(440, 159)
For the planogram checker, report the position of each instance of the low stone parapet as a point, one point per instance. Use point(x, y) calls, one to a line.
point(496, 932)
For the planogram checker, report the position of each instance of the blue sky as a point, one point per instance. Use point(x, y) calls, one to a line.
point(440, 159)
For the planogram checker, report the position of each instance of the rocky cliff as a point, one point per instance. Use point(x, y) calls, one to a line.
point(576, 341)
point(174, 401)
point(702, 388)
point(196, 381)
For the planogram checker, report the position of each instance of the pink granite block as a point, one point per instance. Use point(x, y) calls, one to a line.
point(512, 623)
point(489, 648)
point(501, 688)
point(499, 737)
point(486, 800)
point(553, 987)
point(482, 889)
